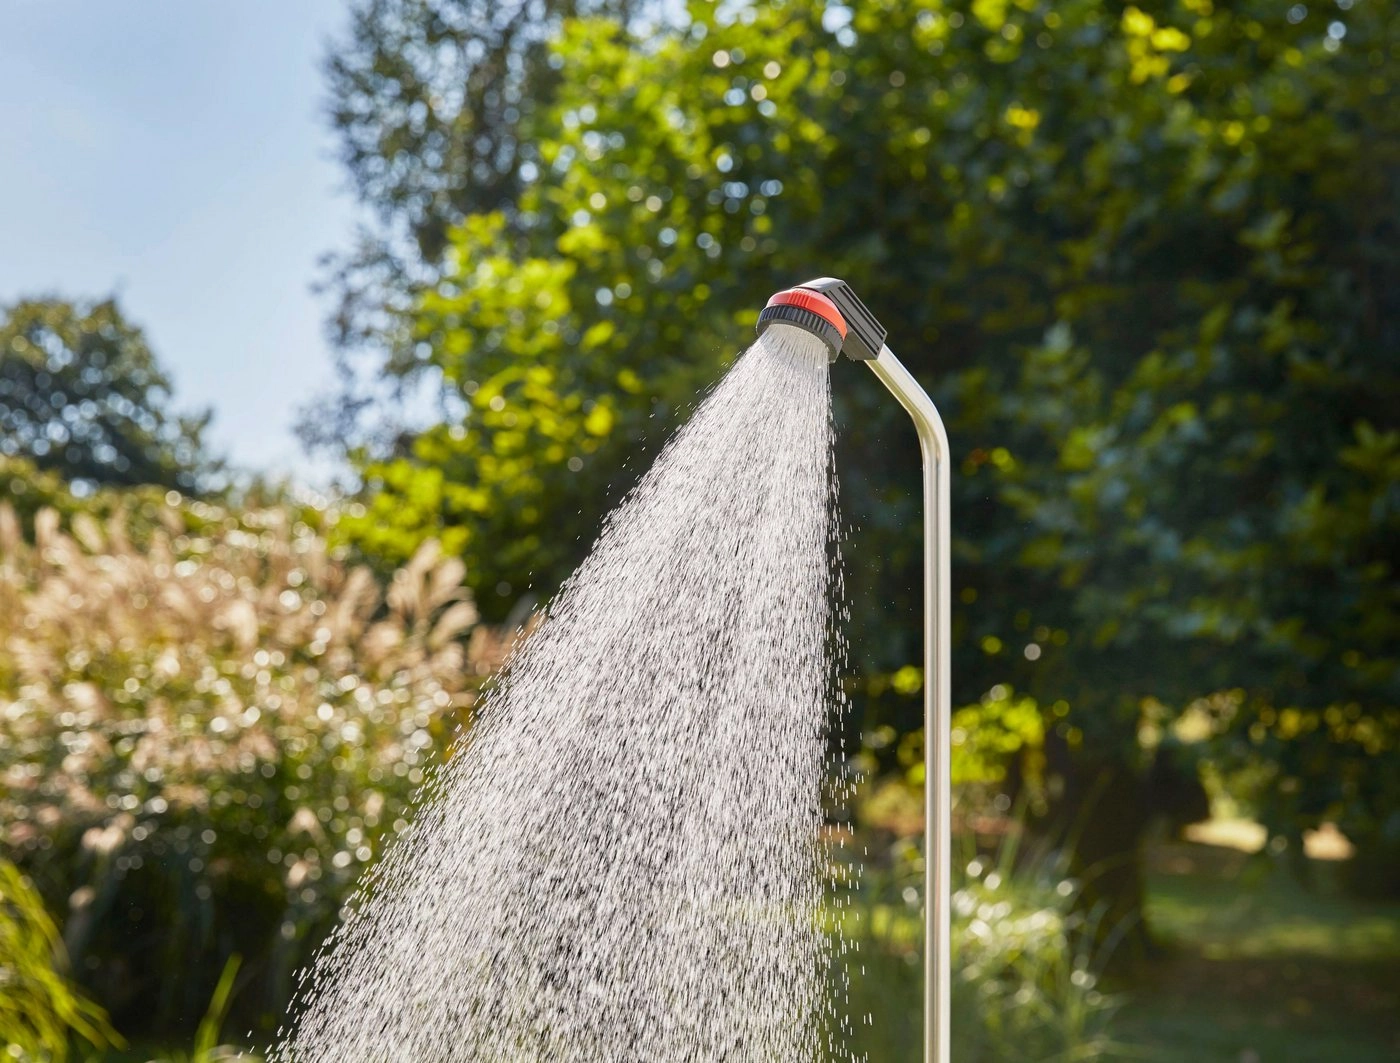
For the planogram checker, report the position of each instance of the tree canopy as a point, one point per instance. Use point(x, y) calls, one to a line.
point(1143, 254)
point(82, 396)
point(429, 100)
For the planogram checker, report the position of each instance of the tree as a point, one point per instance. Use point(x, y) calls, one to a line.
point(81, 396)
point(428, 98)
point(1143, 253)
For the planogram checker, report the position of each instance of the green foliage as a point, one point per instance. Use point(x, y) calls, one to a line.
point(207, 1048)
point(81, 395)
point(28, 489)
point(543, 341)
point(1260, 964)
point(40, 1010)
point(1025, 979)
point(147, 508)
point(1142, 253)
point(442, 87)
point(431, 101)
point(1186, 439)
point(1000, 732)
point(205, 737)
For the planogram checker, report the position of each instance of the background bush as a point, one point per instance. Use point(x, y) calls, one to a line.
point(40, 1011)
point(1143, 253)
point(1025, 969)
point(203, 738)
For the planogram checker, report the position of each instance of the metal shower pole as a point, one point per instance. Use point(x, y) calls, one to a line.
point(841, 320)
point(938, 712)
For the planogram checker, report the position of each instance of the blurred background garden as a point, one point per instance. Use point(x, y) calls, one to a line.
point(1145, 256)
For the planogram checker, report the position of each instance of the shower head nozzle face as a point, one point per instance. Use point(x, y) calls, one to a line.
point(827, 308)
point(809, 310)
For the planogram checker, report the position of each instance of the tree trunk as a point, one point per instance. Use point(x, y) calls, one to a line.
point(1099, 814)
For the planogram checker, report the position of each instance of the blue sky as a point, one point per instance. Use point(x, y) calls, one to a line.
point(176, 153)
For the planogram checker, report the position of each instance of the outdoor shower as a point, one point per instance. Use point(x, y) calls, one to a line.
point(574, 887)
point(829, 309)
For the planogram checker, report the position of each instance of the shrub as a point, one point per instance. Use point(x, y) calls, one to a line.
point(1024, 974)
point(203, 739)
point(40, 1012)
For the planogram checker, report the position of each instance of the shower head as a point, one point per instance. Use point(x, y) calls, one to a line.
point(827, 308)
point(808, 310)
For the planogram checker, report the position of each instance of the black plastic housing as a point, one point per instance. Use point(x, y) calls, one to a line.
point(864, 334)
point(819, 326)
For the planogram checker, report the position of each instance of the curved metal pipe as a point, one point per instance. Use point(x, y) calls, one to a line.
point(835, 312)
point(938, 712)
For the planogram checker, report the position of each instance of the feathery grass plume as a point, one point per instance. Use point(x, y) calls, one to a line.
point(207, 726)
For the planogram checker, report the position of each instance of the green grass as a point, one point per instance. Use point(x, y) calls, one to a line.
point(1259, 967)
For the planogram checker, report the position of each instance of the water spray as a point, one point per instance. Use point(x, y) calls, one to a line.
point(828, 309)
point(573, 888)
